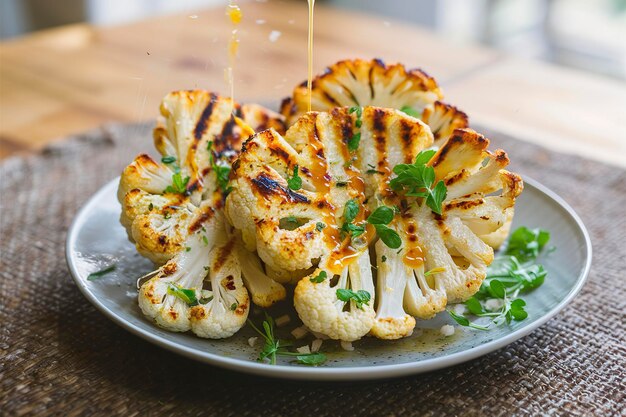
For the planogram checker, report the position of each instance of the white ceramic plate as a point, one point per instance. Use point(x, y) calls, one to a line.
point(97, 240)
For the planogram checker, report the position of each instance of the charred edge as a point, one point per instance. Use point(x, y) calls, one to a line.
point(379, 120)
point(225, 140)
point(455, 178)
point(169, 269)
point(330, 98)
point(288, 107)
point(345, 125)
point(162, 240)
point(265, 123)
point(197, 223)
point(406, 130)
point(229, 283)
point(411, 228)
point(463, 205)
point(223, 254)
point(280, 153)
point(144, 159)
point(441, 156)
point(267, 187)
point(370, 78)
point(193, 186)
point(501, 157)
point(201, 126)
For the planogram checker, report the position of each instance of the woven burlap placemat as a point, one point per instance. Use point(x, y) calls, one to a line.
point(59, 356)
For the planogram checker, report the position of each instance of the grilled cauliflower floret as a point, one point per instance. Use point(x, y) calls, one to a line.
point(321, 309)
point(443, 119)
point(363, 83)
point(441, 257)
point(175, 297)
point(197, 139)
point(170, 205)
point(450, 243)
point(294, 228)
point(265, 291)
point(373, 83)
point(392, 322)
point(316, 147)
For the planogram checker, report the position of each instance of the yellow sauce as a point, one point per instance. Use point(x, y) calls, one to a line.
point(413, 254)
point(245, 128)
point(309, 83)
point(235, 15)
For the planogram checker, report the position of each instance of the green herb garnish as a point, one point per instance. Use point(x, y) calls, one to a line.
point(355, 140)
point(186, 294)
point(319, 226)
point(95, 275)
point(222, 172)
point(381, 217)
point(507, 277)
point(319, 278)
point(274, 347)
point(360, 297)
point(289, 223)
point(168, 159)
point(417, 181)
point(295, 182)
point(350, 212)
point(179, 184)
point(411, 111)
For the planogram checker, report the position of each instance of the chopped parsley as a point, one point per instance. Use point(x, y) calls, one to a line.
point(355, 140)
point(360, 297)
point(295, 182)
point(350, 212)
point(186, 294)
point(319, 277)
point(319, 226)
point(411, 111)
point(179, 184)
point(95, 275)
point(222, 172)
point(380, 218)
point(168, 159)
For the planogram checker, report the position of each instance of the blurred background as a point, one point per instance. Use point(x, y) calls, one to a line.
point(585, 34)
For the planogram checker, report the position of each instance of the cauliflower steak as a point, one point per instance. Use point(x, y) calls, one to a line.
point(309, 203)
point(172, 211)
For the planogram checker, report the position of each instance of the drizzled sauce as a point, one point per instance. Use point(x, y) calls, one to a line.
point(309, 83)
point(343, 251)
point(245, 128)
point(413, 255)
point(235, 15)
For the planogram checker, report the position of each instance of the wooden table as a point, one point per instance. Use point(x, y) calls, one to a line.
point(62, 81)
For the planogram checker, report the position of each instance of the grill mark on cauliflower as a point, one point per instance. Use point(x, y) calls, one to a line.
point(223, 255)
point(202, 123)
point(202, 218)
point(463, 204)
point(268, 187)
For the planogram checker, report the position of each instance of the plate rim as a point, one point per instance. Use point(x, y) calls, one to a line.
point(328, 373)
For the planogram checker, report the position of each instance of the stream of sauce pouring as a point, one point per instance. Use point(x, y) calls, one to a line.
point(309, 83)
point(235, 15)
